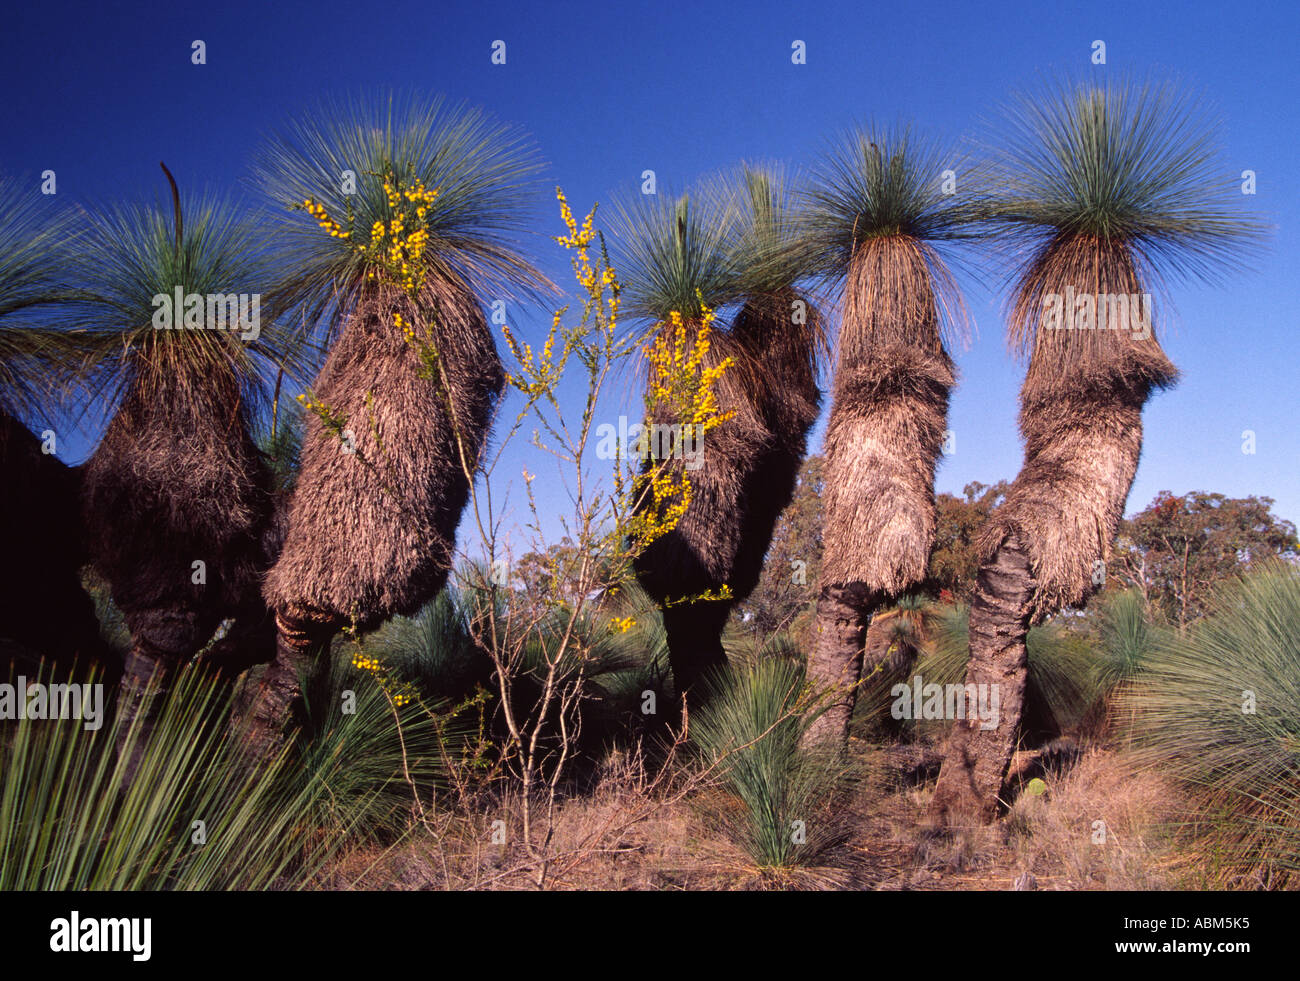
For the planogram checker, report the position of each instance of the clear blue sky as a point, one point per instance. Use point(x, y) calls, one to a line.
point(101, 92)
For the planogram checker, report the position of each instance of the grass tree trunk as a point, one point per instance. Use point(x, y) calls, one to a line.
point(883, 440)
point(1097, 194)
point(978, 757)
point(267, 706)
point(843, 617)
point(146, 677)
point(695, 652)
point(372, 524)
point(736, 247)
point(1045, 548)
point(177, 508)
point(700, 554)
point(748, 471)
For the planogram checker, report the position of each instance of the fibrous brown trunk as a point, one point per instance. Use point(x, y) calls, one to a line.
point(883, 438)
point(1046, 545)
point(977, 758)
point(267, 710)
point(843, 616)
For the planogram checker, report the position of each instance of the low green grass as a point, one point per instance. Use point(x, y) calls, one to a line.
point(195, 817)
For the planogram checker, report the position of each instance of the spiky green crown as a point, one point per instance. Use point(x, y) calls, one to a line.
point(36, 353)
point(129, 255)
point(1133, 164)
point(765, 239)
point(327, 173)
point(674, 254)
point(876, 183)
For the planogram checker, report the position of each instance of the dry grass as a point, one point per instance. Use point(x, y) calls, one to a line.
point(1051, 842)
point(618, 837)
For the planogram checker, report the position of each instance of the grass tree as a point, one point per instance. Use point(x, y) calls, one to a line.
point(42, 605)
point(876, 218)
point(680, 261)
point(1100, 196)
point(176, 495)
point(399, 222)
point(781, 331)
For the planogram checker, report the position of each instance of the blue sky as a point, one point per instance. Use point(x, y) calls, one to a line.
point(101, 93)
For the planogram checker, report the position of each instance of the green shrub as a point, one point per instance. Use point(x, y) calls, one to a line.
point(368, 771)
point(1059, 690)
point(788, 820)
point(1219, 709)
point(66, 822)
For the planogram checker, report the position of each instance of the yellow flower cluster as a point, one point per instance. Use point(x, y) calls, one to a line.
point(323, 219)
point(363, 662)
point(408, 331)
point(400, 252)
point(581, 239)
point(622, 624)
point(396, 245)
point(539, 373)
point(679, 382)
point(683, 391)
point(543, 370)
point(661, 497)
point(708, 596)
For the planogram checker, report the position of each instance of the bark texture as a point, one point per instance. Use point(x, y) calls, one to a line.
point(843, 616)
point(977, 758)
point(269, 708)
point(137, 703)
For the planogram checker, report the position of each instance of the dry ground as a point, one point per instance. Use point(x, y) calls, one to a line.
point(620, 837)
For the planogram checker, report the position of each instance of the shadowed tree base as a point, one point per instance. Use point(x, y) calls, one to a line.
point(162, 639)
point(976, 761)
point(695, 652)
point(250, 641)
point(843, 614)
point(267, 709)
point(43, 606)
point(137, 706)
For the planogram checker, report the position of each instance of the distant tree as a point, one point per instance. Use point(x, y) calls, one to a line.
point(781, 599)
point(1175, 550)
point(559, 571)
point(955, 561)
